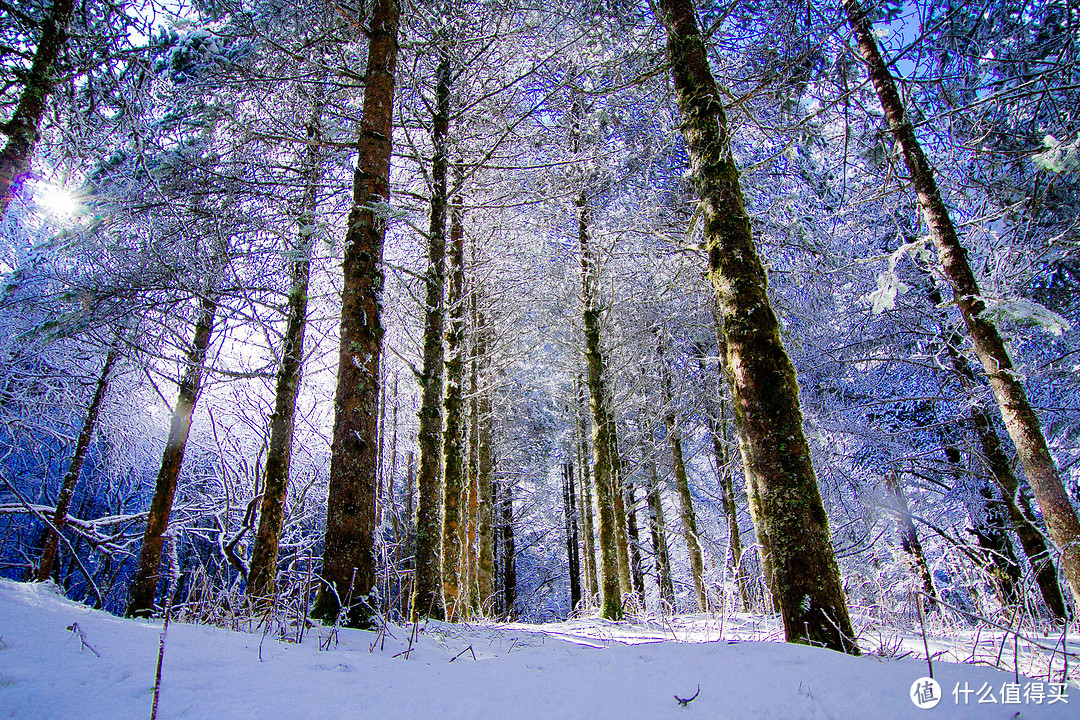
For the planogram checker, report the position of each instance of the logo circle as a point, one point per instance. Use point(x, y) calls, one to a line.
point(925, 693)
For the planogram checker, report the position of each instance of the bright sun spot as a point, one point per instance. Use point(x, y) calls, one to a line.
point(55, 200)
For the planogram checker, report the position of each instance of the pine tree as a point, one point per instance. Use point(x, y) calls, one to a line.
point(454, 486)
point(348, 569)
point(144, 586)
point(1020, 419)
point(607, 537)
point(764, 391)
point(427, 583)
point(262, 572)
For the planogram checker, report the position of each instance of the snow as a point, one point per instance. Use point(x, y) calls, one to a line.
point(579, 669)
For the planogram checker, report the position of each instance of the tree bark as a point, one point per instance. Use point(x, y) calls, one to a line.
point(348, 569)
point(573, 561)
point(485, 521)
point(144, 586)
point(454, 488)
point(509, 554)
point(637, 575)
point(765, 394)
point(618, 484)
point(262, 573)
point(67, 488)
point(469, 581)
point(23, 129)
point(610, 594)
point(1020, 419)
point(588, 536)
point(427, 594)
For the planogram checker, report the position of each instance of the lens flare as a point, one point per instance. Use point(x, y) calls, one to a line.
point(56, 201)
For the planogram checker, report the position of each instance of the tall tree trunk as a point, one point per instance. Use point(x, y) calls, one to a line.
point(1020, 419)
point(509, 555)
point(753, 497)
point(144, 586)
point(470, 574)
point(262, 573)
point(765, 393)
point(637, 575)
point(23, 129)
point(909, 537)
point(348, 568)
point(498, 599)
point(610, 594)
point(454, 433)
point(409, 544)
point(67, 488)
point(588, 536)
point(485, 520)
point(657, 526)
point(682, 487)
point(618, 485)
point(573, 561)
point(427, 594)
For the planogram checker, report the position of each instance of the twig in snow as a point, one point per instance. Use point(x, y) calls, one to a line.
point(469, 649)
point(76, 630)
point(686, 701)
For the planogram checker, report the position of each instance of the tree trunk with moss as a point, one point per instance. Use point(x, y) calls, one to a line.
point(608, 575)
point(24, 127)
point(262, 573)
point(144, 586)
point(427, 593)
point(753, 498)
point(1019, 417)
point(71, 477)
point(586, 495)
point(764, 393)
point(470, 579)
point(348, 569)
point(454, 488)
point(637, 574)
point(485, 512)
point(622, 539)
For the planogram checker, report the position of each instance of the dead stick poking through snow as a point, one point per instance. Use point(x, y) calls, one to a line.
point(687, 701)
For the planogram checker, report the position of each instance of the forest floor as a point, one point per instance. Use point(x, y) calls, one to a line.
point(65, 661)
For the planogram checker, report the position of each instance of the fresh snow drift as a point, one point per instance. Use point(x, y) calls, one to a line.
point(581, 669)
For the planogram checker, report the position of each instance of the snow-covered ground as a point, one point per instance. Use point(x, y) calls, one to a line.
point(65, 661)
